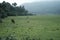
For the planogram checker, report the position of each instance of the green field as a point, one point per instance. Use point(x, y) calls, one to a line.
point(31, 27)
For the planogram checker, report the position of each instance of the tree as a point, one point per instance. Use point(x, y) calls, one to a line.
point(6, 9)
point(14, 4)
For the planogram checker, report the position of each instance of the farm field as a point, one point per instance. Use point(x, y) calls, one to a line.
point(31, 27)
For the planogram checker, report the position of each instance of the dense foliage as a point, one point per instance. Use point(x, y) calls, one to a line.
point(6, 9)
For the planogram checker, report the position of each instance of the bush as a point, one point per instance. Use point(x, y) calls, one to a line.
point(0, 38)
point(10, 37)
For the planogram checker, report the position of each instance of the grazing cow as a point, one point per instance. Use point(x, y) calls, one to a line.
point(12, 20)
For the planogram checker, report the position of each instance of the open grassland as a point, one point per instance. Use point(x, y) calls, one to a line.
point(31, 27)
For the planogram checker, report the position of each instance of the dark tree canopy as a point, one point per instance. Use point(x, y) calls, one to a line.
point(14, 4)
point(6, 9)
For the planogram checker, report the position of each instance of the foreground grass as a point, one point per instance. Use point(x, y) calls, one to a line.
point(32, 27)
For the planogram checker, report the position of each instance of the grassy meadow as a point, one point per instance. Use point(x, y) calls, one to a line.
point(31, 27)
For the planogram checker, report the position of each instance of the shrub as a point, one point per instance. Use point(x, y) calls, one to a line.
point(11, 37)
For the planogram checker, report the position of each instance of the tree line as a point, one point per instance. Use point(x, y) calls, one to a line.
point(6, 9)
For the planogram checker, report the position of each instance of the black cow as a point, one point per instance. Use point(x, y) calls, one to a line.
point(12, 20)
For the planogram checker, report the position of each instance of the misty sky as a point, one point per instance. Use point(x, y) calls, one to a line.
point(19, 2)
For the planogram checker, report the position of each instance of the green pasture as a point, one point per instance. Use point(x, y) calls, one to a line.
point(31, 27)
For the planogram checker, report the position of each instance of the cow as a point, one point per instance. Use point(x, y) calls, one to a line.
point(13, 21)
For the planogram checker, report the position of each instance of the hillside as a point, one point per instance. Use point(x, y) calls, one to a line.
point(43, 7)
